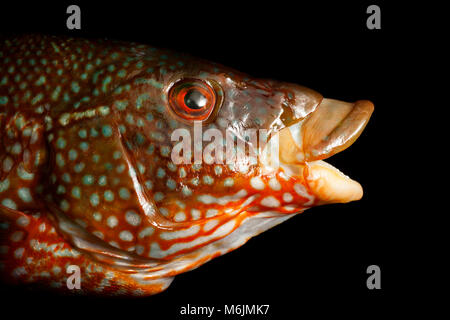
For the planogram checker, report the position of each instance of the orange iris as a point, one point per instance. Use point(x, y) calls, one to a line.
point(192, 99)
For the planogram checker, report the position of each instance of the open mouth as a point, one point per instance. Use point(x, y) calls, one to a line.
point(331, 128)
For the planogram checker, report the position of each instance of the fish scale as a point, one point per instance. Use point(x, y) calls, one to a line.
point(88, 177)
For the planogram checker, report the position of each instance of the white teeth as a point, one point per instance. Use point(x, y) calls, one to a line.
point(297, 138)
point(296, 134)
point(290, 150)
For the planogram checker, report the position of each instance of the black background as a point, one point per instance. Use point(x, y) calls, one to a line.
point(316, 261)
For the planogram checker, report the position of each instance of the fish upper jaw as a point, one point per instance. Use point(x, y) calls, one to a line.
point(329, 129)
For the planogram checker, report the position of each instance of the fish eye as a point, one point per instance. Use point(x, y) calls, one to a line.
point(192, 99)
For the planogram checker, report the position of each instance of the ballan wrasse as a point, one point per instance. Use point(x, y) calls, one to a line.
point(109, 161)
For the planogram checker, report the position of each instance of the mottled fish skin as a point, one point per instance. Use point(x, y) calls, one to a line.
point(86, 176)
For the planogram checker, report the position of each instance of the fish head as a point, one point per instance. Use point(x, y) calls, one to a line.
point(232, 154)
point(191, 159)
point(228, 136)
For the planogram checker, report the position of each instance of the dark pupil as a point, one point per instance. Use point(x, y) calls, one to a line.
point(194, 99)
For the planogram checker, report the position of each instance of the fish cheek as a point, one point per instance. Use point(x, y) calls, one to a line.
point(90, 182)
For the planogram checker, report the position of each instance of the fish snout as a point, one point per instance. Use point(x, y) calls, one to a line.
point(331, 128)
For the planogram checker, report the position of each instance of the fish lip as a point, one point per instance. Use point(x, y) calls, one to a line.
point(330, 185)
point(331, 128)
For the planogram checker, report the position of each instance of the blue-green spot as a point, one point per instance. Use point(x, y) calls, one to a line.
point(186, 191)
point(40, 81)
point(160, 173)
point(79, 167)
point(66, 178)
point(107, 130)
point(95, 76)
point(60, 160)
point(76, 192)
point(102, 181)
point(37, 98)
point(88, 179)
point(4, 185)
point(64, 205)
point(171, 166)
point(66, 97)
point(105, 83)
point(229, 182)
point(94, 199)
point(158, 196)
point(9, 204)
point(117, 155)
point(60, 189)
point(129, 118)
point(84, 146)
point(140, 100)
point(165, 150)
point(108, 195)
point(208, 180)
point(171, 184)
point(94, 133)
point(61, 143)
point(73, 154)
point(3, 100)
point(139, 138)
point(82, 133)
point(120, 168)
point(149, 184)
point(218, 170)
point(195, 181)
point(124, 193)
point(56, 93)
point(121, 104)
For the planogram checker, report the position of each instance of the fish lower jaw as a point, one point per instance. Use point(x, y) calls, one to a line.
point(327, 183)
point(330, 185)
